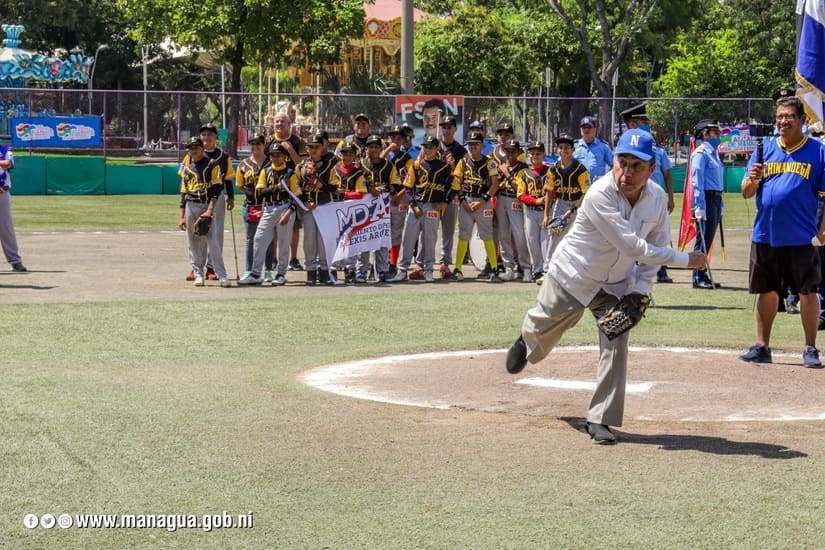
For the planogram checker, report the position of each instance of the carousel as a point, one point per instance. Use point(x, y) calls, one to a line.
point(20, 68)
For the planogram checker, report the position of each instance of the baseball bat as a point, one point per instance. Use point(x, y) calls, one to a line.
point(234, 244)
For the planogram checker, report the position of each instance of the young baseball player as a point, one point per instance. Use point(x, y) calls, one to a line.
point(209, 136)
point(432, 186)
point(532, 184)
point(246, 178)
point(509, 211)
point(201, 185)
point(316, 187)
point(278, 215)
point(477, 178)
point(403, 163)
point(348, 177)
point(567, 182)
point(381, 177)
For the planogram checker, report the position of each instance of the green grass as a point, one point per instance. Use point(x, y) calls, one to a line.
point(172, 407)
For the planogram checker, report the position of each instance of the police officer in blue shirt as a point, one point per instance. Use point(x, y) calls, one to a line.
point(409, 134)
point(595, 154)
point(636, 117)
point(707, 179)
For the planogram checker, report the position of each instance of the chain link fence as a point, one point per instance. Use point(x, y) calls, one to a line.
point(157, 123)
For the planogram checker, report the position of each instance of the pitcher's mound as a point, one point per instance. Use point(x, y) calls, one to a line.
point(663, 384)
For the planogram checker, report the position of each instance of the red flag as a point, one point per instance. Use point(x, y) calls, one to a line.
point(687, 229)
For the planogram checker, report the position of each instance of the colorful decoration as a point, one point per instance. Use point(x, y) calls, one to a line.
point(18, 66)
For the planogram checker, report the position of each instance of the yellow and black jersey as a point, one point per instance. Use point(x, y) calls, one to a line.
point(532, 182)
point(404, 164)
point(200, 181)
point(476, 176)
point(321, 173)
point(269, 191)
point(454, 149)
point(224, 162)
point(431, 181)
point(507, 186)
point(246, 178)
point(568, 184)
point(348, 179)
point(381, 174)
point(296, 142)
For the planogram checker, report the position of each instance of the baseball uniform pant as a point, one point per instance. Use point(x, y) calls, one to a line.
point(558, 311)
point(427, 228)
point(251, 228)
point(515, 215)
point(267, 228)
point(7, 237)
point(504, 229)
point(398, 214)
point(314, 251)
point(201, 247)
point(217, 222)
point(536, 238)
point(448, 223)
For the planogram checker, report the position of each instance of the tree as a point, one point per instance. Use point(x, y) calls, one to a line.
point(615, 31)
point(250, 31)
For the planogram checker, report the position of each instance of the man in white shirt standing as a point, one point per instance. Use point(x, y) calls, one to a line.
point(618, 241)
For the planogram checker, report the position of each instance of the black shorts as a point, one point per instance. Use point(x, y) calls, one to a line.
point(772, 268)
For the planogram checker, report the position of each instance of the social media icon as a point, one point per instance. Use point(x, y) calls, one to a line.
point(64, 521)
point(47, 521)
point(30, 521)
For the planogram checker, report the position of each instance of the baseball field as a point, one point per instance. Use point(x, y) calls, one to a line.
point(130, 397)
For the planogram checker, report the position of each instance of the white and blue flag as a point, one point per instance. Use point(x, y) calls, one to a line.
point(810, 58)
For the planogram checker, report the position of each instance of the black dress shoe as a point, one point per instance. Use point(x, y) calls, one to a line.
point(516, 356)
point(600, 434)
point(707, 285)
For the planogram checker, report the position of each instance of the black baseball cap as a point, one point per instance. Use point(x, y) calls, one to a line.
point(373, 139)
point(208, 128)
point(256, 138)
point(362, 116)
point(316, 139)
point(396, 130)
point(512, 144)
point(448, 120)
point(475, 137)
point(536, 146)
point(505, 127)
point(195, 142)
point(565, 138)
point(276, 147)
point(348, 147)
point(637, 112)
point(430, 141)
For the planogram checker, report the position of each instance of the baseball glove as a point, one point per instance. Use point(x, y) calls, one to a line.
point(625, 315)
point(558, 224)
point(201, 226)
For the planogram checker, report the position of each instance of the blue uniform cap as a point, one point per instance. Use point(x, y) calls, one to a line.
point(636, 142)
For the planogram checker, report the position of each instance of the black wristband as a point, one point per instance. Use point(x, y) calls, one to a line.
point(486, 197)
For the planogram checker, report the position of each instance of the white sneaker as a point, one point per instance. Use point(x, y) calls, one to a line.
point(399, 277)
point(199, 281)
point(428, 277)
point(509, 274)
point(528, 277)
point(250, 279)
point(225, 283)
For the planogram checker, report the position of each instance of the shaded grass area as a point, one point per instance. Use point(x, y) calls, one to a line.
point(193, 407)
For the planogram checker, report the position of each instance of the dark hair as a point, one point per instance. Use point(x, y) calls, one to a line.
point(794, 102)
point(434, 102)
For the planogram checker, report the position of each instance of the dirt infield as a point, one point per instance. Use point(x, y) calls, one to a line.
point(664, 384)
